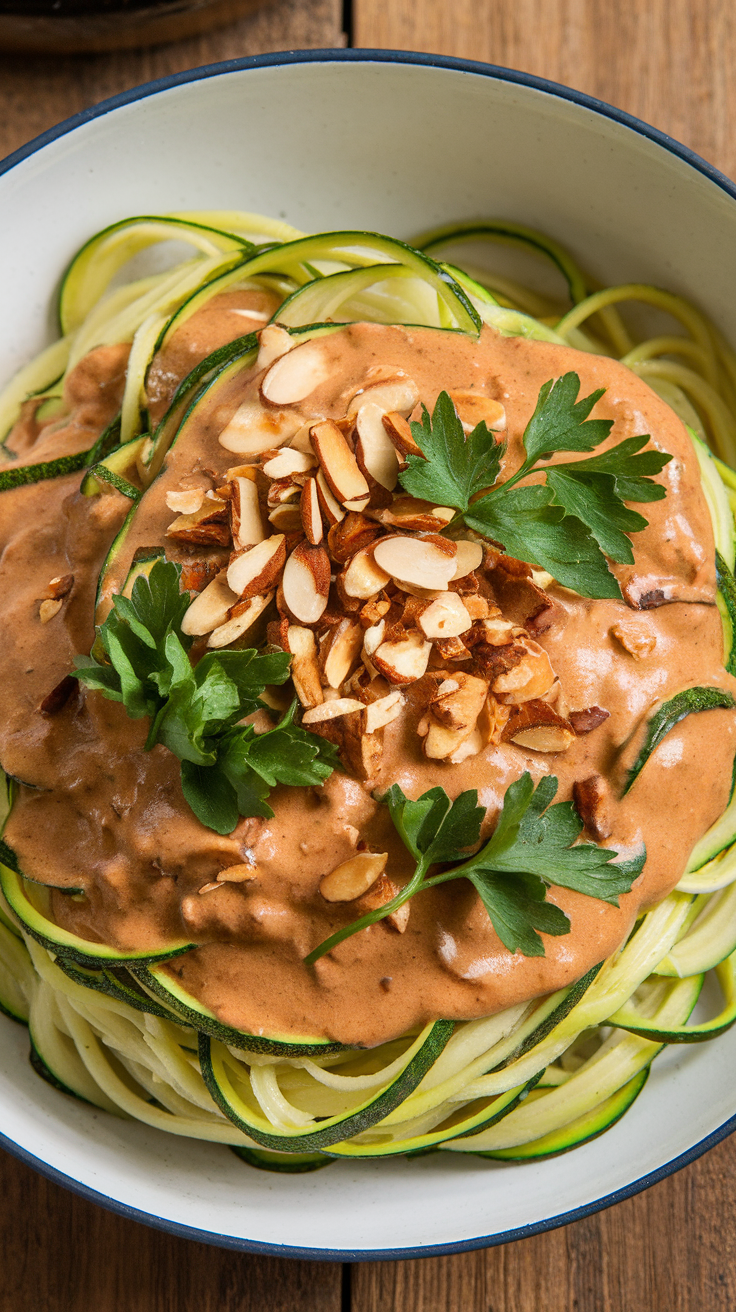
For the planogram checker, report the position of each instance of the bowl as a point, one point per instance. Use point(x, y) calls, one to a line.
point(396, 142)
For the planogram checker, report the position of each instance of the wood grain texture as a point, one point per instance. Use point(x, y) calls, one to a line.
point(673, 1248)
point(670, 62)
point(38, 92)
point(62, 1254)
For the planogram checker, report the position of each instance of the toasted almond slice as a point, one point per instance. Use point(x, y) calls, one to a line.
point(374, 448)
point(301, 441)
point(246, 614)
point(287, 462)
point(399, 433)
point(273, 342)
point(286, 518)
point(380, 713)
point(295, 375)
point(471, 746)
point(357, 504)
point(473, 409)
point(363, 578)
point(497, 632)
point(385, 890)
point(209, 610)
point(49, 608)
point(283, 490)
point(253, 429)
point(531, 678)
point(440, 743)
point(414, 515)
point(311, 516)
point(331, 710)
point(469, 557)
point(544, 738)
point(306, 582)
point(447, 617)
point(537, 725)
point(304, 668)
point(404, 661)
point(459, 701)
point(186, 501)
point(60, 586)
point(398, 393)
point(331, 509)
point(240, 874)
point(339, 465)
point(245, 512)
point(427, 562)
point(493, 720)
point(256, 570)
point(353, 878)
point(341, 652)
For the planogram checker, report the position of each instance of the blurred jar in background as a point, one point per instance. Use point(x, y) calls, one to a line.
point(77, 26)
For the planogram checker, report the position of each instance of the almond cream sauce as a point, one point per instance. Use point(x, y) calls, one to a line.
point(97, 813)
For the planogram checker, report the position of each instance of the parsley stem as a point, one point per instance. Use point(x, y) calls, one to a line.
point(372, 917)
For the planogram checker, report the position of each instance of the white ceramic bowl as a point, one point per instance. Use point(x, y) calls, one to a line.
point(395, 142)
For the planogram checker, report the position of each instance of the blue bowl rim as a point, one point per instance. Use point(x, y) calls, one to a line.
point(510, 75)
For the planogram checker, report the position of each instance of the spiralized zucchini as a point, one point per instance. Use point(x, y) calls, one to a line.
point(530, 1081)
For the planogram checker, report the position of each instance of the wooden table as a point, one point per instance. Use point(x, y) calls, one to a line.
point(672, 1249)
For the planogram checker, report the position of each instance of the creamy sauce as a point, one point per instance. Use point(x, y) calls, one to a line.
point(99, 814)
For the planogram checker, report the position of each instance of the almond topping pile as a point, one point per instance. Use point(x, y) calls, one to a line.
point(381, 610)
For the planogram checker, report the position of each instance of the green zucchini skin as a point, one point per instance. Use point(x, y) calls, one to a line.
point(727, 592)
point(582, 1130)
point(24, 475)
point(281, 1163)
point(514, 234)
point(334, 1128)
point(65, 944)
point(112, 984)
point(551, 1019)
point(669, 713)
point(46, 1073)
point(190, 1012)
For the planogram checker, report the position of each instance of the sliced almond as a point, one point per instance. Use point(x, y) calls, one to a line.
point(301, 441)
point(304, 668)
point(350, 536)
point(239, 874)
point(399, 433)
point(286, 518)
point(473, 408)
point(283, 490)
point(254, 429)
point(209, 610)
point(341, 651)
point(338, 463)
point(372, 639)
point(245, 513)
point(440, 743)
point(459, 701)
point(374, 449)
point(331, 710)
point(531, 678)
point(363, 577)
point(428, 562)
point(447, 617)
point(398, 393)
point(287, 462)
point(273, 342)
point(470, 746)
point(468, 558)
point(60, 586)
point(206, 525)
point(246, 614)
point(306, 582)
point(256, 571)
point(295, 375)
point(49, 608)
point(186, 501)
point(331, 509)
point(493, 720)
point(353, 878)
point(404, 661)
point(311, 515)
point(357, 503)
point(537, 725)
point(414, 515)
point(382, 712)
point(379, 894)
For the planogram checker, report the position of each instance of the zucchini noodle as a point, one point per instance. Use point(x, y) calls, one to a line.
point(537, 1078)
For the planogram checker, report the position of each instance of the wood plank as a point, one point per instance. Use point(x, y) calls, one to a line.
point(63, 1254)
point(671, 1249)
point(670, 62)
point(38, 92)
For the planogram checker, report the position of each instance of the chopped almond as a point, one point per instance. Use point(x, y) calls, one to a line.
point(60, 586)
point(382, 892)
point(373, 611)
point(532, 677)
point(363, 578)
point(468, 558)
point(637, 639)
point(273, 342)
point(286, 518)
point(396, 392)
point(185, 501)
point(459, 700)
point(287, 462)
point(413, 515)
point(446, 617)
point(240, 874)
point(245, 513)
point(586, 721)
point(350, 536)
point(592, 799)
point(404, 661)
point(383, 711)
point(331, 709)
point(374, 450)
point(536, 725)
point(331, 509)
point(304, 668)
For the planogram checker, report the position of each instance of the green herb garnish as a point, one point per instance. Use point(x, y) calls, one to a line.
point(227, 770)
point(567, 525)
point(533, 847)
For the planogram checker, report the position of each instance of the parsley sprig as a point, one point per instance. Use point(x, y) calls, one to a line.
point(533, 847)
point(227, 769)
point(567, 525)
